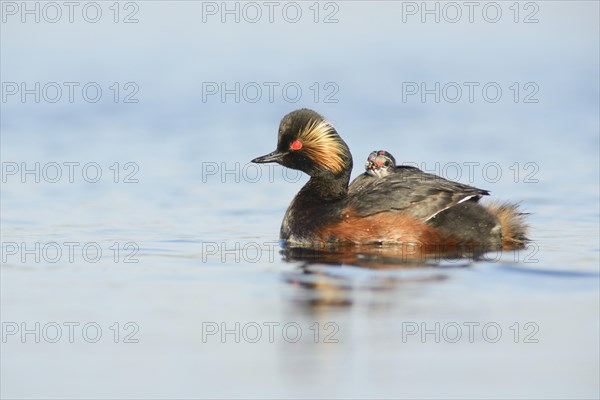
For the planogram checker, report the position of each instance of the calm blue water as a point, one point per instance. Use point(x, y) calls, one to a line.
point(140, 252)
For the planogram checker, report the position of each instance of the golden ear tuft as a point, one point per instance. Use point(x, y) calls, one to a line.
point(322, 145)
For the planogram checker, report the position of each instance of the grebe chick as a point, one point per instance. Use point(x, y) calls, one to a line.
point(380, 163)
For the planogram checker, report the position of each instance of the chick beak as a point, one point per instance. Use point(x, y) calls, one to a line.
point(275, 156)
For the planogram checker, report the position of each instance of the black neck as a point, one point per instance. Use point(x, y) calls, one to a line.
point(327, 187)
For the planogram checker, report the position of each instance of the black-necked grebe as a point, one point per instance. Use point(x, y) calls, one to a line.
point(407, 206)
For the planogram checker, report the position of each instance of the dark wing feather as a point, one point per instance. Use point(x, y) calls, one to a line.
point(409, 190)
point(360, 181)
point(363, 179)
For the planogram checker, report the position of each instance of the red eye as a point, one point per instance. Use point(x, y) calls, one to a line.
point(297, 145)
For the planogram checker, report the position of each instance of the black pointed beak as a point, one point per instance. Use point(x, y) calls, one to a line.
point(275, 156)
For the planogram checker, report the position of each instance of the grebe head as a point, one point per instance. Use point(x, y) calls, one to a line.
point(380, 163)
point(309, 143)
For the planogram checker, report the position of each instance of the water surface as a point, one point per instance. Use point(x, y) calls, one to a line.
point(182, 290)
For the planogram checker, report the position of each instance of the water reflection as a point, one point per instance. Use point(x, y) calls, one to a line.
point(387, 257)
point(341, 277)
point(326, 285)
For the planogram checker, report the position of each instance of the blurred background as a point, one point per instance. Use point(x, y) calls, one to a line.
point(140, 253)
